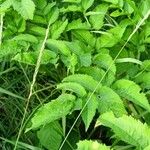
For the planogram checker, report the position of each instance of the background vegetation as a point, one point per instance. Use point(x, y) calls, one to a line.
point(75, 74)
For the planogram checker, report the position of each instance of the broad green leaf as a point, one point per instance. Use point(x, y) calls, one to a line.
point(113, 36)
point(73, 87)
point(144, 7)
point(36, 30)
point(70, 62)
point(90, 109)
point(9, 48)
point(31, 57)
point(127, 129)
point(86, 4)
point(58, 28)
point(85, 80)
point(91, 145)
point(48, 8)
point(50, 136)
point(132, 92)
point(77, 24)
point(144, 80)
point(72, 1)
point(86, 37)
point(146, 65)
point(104, 61)
point(52, 111)
point(85, 59)
point(53, 15)
point(26, 37)
point(58, 45)
point(95, 72)
point(5, 6)
point(25, 8)
point(41, 4)
point(97, 20)
point(108, 100)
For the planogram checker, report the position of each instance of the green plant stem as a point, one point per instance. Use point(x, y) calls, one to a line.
point(33, 83)
point(1, 28)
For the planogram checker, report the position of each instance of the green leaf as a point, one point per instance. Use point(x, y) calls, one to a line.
point(144, 80)
point(25, 8)
point(5, 6)
point(97, 20)
point(104, 61)
point(52, 111)
point(86, 37)
point(132, 92)
point(53, 15)
point(9, 48)
point(78, 24)
point(95, 72)
point(146, 65)
point(110, 101)
point(113, 36)
point(58, 28)
point(49, 134)
point(58, 45)
point(85, 80)
point(86, 4)
point(26, 37)
point(91, 145)
point(73, 87)
point(31, 57)
point(127, 129)
point(90, 110)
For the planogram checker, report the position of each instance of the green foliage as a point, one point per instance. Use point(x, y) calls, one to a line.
point(94, 59)
point(91, 145)
point(49, 134)
point(56, 109)
point(128, 129)
point(131, 91)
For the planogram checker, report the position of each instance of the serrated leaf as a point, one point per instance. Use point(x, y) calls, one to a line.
point(144, 80)
point(85, 80)
point(52, 111)
point(31, 57)
point(90, 109)
point(25, 8)
point(77, 24)
point(113, 36)
point(58, 45)
point(97, 19)
point(86, 37)
point(86, 4)
point(73, 87)
point(110, 101)
point(53, 15)
point(9, 48)
point(49, 134)
point(26, 37)
point(91, 145)
point(131, 91)
point(5, 5)
point(127, 129)
point(104, 61)
point(58, 28)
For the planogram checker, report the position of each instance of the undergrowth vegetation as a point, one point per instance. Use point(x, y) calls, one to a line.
point(74, 74)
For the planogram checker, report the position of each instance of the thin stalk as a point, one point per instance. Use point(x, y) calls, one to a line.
point(33, 83)
point(1, 27)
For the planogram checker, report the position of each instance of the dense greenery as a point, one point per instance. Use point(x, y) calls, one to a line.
point(75, 74)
